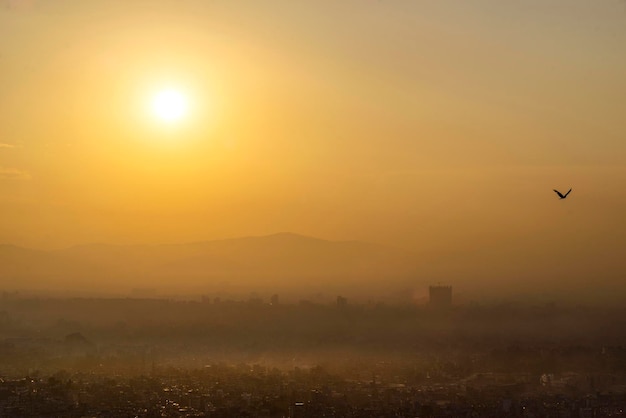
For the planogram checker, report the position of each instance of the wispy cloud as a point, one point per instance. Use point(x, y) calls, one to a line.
point(14, 5)
point(13, 174)
point(2, 145)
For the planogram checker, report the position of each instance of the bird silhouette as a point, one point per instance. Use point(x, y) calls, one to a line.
point(561, 195)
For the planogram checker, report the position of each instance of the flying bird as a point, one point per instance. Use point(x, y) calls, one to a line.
point(561, 195)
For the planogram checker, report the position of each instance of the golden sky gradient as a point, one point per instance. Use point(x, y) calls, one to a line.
point(428, 125)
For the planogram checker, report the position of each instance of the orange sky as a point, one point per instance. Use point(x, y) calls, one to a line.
point(429, 125)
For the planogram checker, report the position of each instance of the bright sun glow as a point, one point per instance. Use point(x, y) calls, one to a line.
point(169, 105)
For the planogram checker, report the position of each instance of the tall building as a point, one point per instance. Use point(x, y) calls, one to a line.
point(440, 296)
point(274, 300)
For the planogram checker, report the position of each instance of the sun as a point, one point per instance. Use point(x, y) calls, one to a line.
point(170, 105)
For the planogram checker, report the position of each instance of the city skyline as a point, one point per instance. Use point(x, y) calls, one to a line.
point(329, 208)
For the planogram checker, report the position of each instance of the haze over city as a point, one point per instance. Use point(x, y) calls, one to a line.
point(278, 209)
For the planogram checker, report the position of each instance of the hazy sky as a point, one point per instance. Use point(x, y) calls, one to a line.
point(430, 125)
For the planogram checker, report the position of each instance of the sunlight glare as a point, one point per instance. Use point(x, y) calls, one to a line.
point(169, 105)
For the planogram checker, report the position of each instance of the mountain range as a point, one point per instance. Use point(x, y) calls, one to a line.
point(278, 261)
point(288, 263)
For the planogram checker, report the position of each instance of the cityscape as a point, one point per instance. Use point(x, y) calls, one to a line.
point(260, 357)
point(285, 209)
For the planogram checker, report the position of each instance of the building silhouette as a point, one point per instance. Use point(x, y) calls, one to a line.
point(440, 296)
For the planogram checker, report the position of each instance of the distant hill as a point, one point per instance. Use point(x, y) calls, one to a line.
point(290, 264)
point(278, 261)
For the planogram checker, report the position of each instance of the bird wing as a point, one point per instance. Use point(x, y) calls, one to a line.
point(559, 193)
point(567, 192)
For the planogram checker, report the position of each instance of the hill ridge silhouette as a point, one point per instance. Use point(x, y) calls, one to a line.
point(275, 260)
